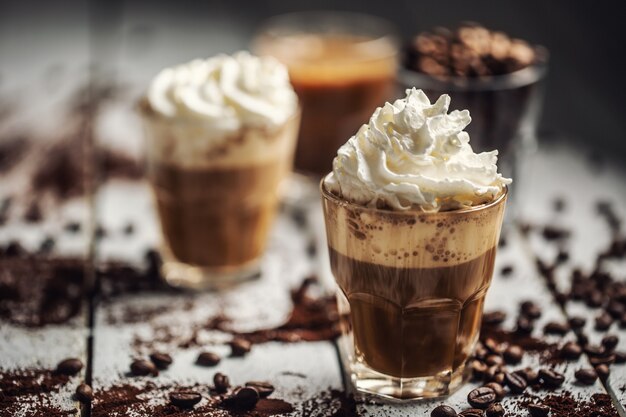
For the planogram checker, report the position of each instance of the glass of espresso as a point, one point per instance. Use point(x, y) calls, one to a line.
point(342, 65)
point(218, 149)
point(413, 218)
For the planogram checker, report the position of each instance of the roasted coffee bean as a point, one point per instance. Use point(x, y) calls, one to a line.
point(616, 309)
point(506, 270)
point(244, 398)
point(471, 412)
point(185, 399)
point(498, 378)
point(586, 376)
point(603, 371)
point(498, 389)
point(161, 360)
point(479, 369)
point(530, 375)
point(557, 328)
point(481, 397)
point(571, 351)
point(494, 360)
point(207, 359)
point(493, 346)
point(603, 321)
point(513, 354)
point(530, 310)
point(620, 357)
point(550, 378)
point(265, 389)
point(443, 411)
point(594, 299)
point(494, 318)
point(524, 326)
point(84, 393)
point(221, 383)
point(610, 342)
point(599, 360)
point(595, 351)
point(480, 352)
point(538, 410)
point(70, 366)
point(516, 383)
point(577, 322)
point(495, 410)
point(142, 367)
point(239, 346)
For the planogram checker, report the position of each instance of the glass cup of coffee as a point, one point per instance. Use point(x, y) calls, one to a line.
point(342, 66)
point(216, 187)
point(412, 285)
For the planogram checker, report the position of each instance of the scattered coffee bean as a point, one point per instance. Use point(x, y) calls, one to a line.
point(84, 393)
point(557, 328)
point(471, 412)
point(603, 321)
point(524, 326)
point(538, 410)
point(443, 411)
point(577, 322)
point(239, 346)
point(594, 299)
point(571, 351)
point(607, 360)
point(498, 378)
point(530, 375)
point(207, 359)
point(221, 383)
point(265, 389)
point(610, 342)
point(244, 398)
point(493, 346)
point(479, 369)
point(161, 360)
point(551, 378)
point(72, 227)
point(602, 371)
point(595, 351)
point(620, 357)
point(586, 376)
point(513, 354)
point(506, 270)
point(495, 410)
point(498, 389)
point(516, 383)
point(494, 318)
point(616, 309)
point(142, 367)
point(481, 397)
point(530, 310)
point(70, 366)
point(494, 360)
point(185, 399)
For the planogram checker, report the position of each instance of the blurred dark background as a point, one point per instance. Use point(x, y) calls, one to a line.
point(134, 39)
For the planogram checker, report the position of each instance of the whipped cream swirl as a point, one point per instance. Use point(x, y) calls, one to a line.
point(415, 155)
point(229, 92)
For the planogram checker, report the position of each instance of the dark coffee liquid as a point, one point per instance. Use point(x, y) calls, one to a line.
point(217, 217)
point(414, 322)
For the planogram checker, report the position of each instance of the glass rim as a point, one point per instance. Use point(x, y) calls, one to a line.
point(473, 209)
point(520, 78)
point(386, 27)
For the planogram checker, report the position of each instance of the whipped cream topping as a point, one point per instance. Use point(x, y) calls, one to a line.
point(415, 155)
point(229, 92)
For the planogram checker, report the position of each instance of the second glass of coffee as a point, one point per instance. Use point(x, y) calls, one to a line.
point(221, 135)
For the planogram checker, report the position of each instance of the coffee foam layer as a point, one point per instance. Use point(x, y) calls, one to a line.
point(197, 145)
point(412, 239)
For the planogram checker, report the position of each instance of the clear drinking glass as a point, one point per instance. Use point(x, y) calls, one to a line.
point(215, 203)
point(342, 66)
point(411, 291)
point(505, 108)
